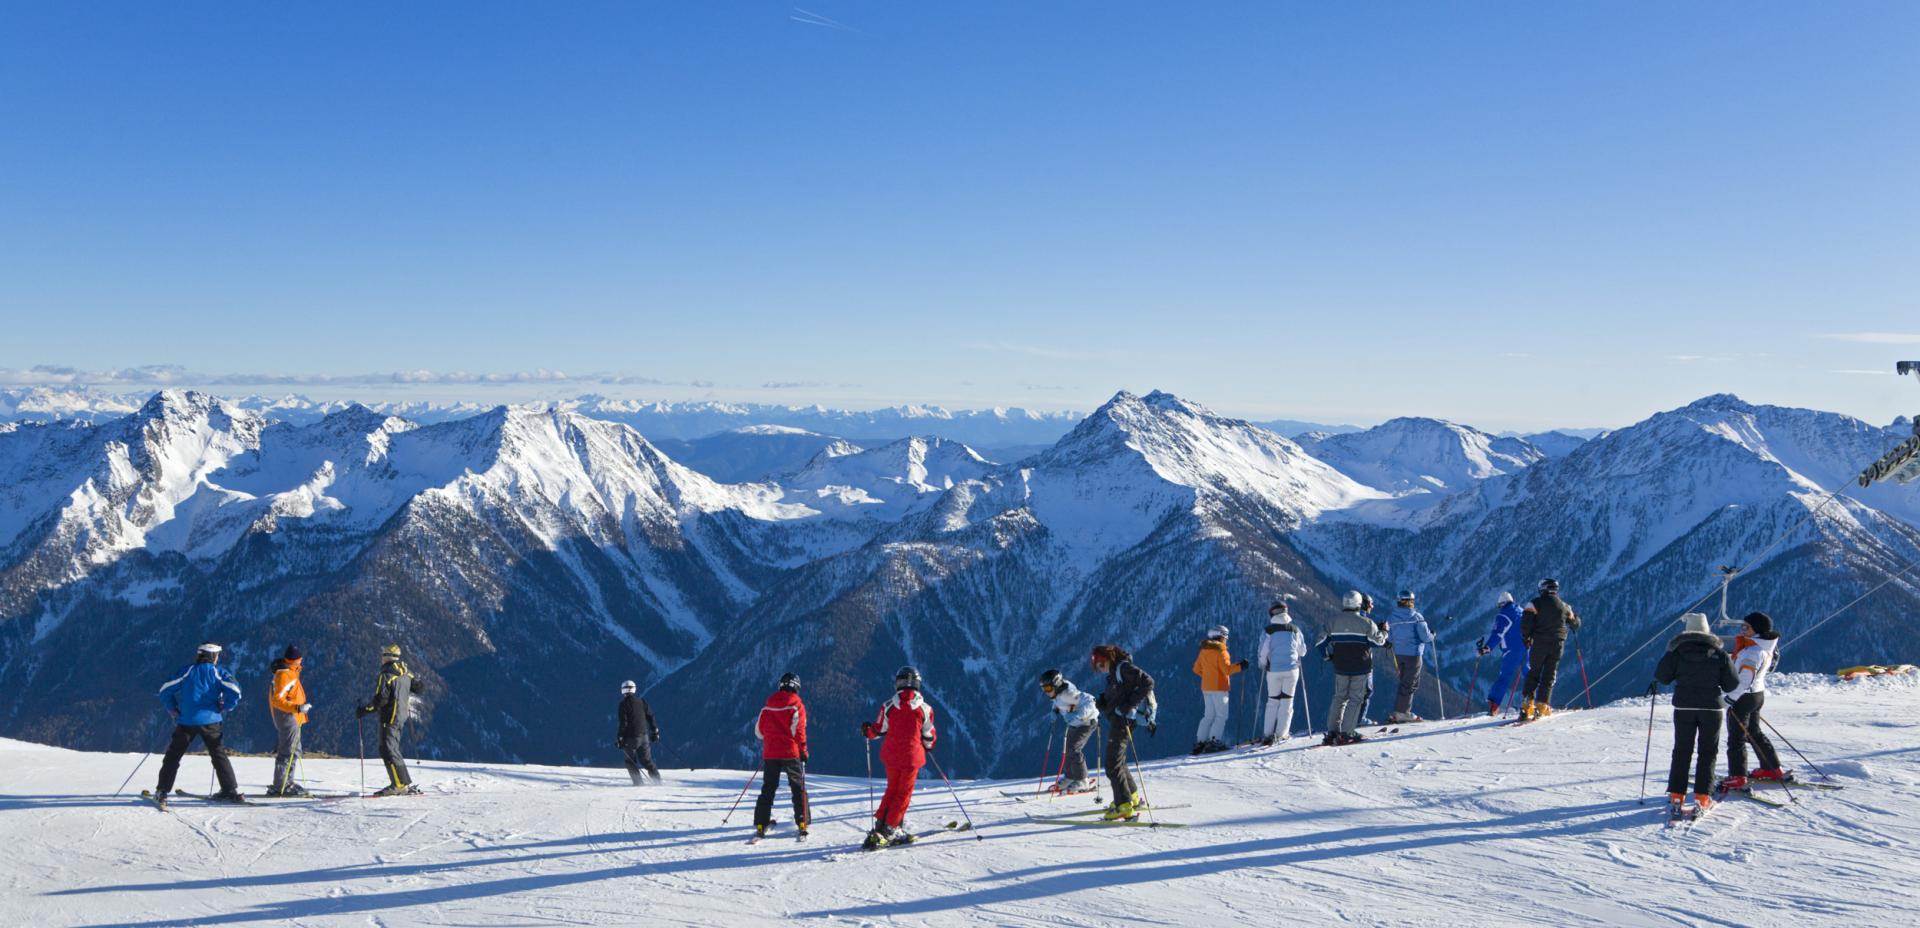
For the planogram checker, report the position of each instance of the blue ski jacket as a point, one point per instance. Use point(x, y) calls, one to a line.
point(1506, 630)
point(1407, 632)
point(202, 694)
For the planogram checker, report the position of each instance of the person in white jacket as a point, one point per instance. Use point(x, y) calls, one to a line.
point(1281, 648)
point(1755, 653)
point(1082, 719)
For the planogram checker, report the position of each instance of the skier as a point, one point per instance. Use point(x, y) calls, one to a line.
point(1544, 625)
point(1127, 701)
point(1408, 637)
point(782, 730)
point(1698, 667)
point(392, 703)
point(1507, 636)
point(199, 698)
point(1216, 668)
point(1281, 648)
point(638, 733)
point(287, 703)
point(1081, 715)
point(1349, 644)
point(1754, 655)
point(905, 724)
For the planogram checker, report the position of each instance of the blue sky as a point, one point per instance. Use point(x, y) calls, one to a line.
point(1512, 214)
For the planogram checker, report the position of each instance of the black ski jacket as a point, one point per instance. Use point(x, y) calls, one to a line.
point(1128, 688)
point(1547, 618)
point(393, 690)
point(637, 726)
point(1698, 667)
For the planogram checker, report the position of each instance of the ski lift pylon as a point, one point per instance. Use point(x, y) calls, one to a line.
point(1902, 464)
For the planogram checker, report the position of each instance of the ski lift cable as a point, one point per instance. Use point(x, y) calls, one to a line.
point(1836, 613)
point(1718, 587)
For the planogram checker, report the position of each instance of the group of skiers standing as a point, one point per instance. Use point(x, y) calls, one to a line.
point(203, 694)
point(1709, 684)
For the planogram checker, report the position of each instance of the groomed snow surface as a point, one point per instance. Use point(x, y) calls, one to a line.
point(1455, 823)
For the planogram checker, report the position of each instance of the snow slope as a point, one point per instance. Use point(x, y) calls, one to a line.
point(1457, 823)
point(1414, 455)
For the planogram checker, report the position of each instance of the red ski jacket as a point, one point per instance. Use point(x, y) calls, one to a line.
point(782, 729)
point(906, 722)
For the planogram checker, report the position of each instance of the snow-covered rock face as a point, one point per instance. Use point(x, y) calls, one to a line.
point(1412, 455)
point(884, 483)
point(755, 453)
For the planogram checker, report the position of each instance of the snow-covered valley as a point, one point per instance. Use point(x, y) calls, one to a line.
point(1447, 823)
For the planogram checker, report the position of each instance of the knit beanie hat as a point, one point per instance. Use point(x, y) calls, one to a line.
point(292, 654)
point(1762, 624)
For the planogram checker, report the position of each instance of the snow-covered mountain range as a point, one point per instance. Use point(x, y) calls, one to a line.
point(531, 558)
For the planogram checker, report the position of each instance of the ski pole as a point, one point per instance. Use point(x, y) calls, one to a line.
point(1744, 733)
point(1046, 754)
point(136, 769)
point(743, 792)
point(869, 747)
point(360, 741)
point(1474, 687)
point(1140, 777)
point(1306, 706)
point(1439, 691)
point(1582, 658)
point(956, 796)
point(1653, 699)
point(1099, 759)
point(1783, 740)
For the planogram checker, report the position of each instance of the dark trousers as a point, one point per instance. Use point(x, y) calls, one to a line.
point(770, 771)
point(390, 756)
point(1696, 736)
point(1746, 729)
point(1409, 669)
point(1073, 757)
point(640, 757)
point(1545, 666)
point(183, 736)
point(1119, 735)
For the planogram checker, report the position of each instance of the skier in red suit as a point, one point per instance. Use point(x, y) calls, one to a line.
point(905, 725)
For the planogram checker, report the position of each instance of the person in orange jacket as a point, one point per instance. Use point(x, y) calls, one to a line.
point(288, 704)
point(1216, 669)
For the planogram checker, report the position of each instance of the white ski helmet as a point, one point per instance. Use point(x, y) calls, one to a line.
point(628, 687)
point(208, 648)
point(1352, 601)
point(1218, 631)
point(1505, 597)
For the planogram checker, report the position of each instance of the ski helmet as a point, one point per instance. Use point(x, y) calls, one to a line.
point(391, 652)
point(628, 687)
point(1352, 602)
point(790, 682)
point(1218, 631)
point(1053, 681)
point(1366, 603)
point(208, 648)
point(1505, 597)
point(1279, 606)
point(906, 678)
point(1549, 585)
point(1406, 596)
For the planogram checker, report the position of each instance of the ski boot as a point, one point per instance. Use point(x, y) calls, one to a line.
point(800, 830)
point(760, 830)
point(1774, 775)
point(1526, 710)
point(1199, 748)
point(1733, 783)
point(1493, 709)
point(1703, 800)
point(1676, 806)
point(876, 839)
point(1120, 812)
point(1401, 717)
point(389, 790)
point(634, 775)
point(1332, 738)
point(1541, 710)
point(900, 838)
point(228, 796)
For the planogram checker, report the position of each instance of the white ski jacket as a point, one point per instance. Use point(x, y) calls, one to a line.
point(1075, 706)
point(1281, 648)
point(1751, 664)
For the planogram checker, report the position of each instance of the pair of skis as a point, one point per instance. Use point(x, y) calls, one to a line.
point(1081, 818)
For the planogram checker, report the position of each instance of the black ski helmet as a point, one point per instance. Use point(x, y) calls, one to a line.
point(1549, 585)
point(1279, 606)
point(1053, 681)
point(906, 678)
point(790, 682)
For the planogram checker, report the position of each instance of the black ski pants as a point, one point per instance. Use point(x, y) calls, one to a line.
point(390, 756)
point(1746, 729)
point(1544, 668)
point(1696, 737)
point(1119, 736)
point(183, 736)
point(640, 757)
point(770, 771)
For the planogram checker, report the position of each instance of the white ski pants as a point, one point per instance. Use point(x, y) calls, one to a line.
point(1213, 725)
point(1280, 686)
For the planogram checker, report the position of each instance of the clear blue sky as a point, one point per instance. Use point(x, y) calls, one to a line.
point(1512, 214)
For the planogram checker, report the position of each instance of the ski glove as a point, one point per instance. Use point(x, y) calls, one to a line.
point(866, 731)
point(1242, 665)
point(306, 709)
point(927, 743)
point(363, 711)
point(803, 756)
point(1480, 648)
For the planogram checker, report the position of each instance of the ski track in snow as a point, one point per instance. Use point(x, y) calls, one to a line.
point(1447, 823)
